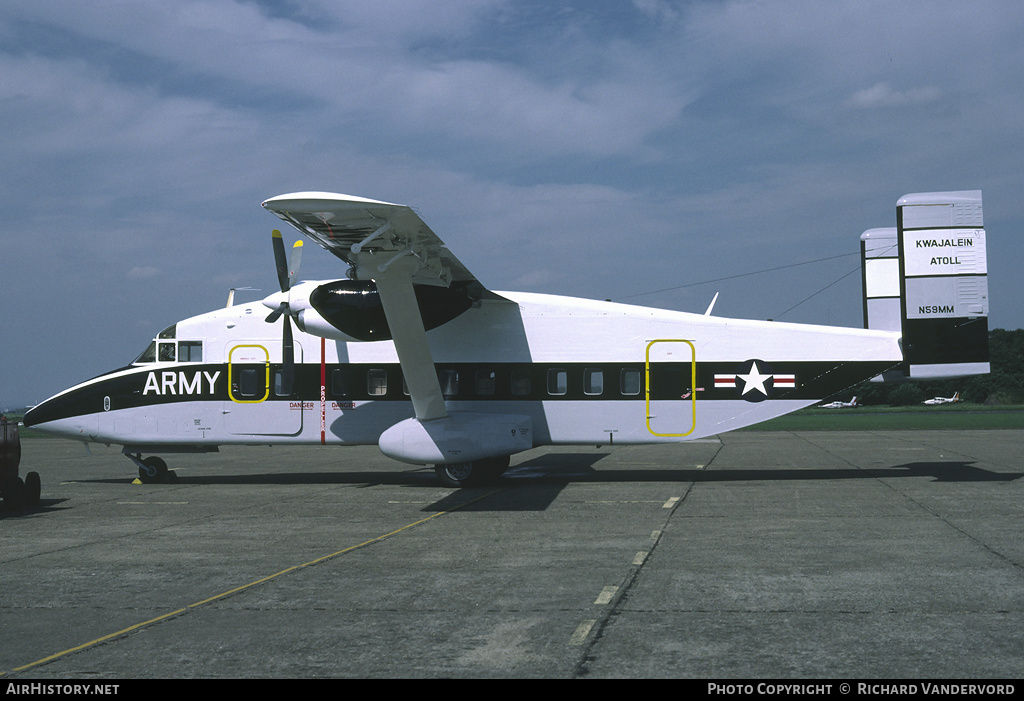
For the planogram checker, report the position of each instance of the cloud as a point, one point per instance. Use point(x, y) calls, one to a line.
point(883, 95)
point(144, 272)
point(659, 10)
point(596, 149)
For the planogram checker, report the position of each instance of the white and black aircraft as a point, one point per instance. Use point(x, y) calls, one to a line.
point(840, 405)
point(412, 353)
point(944, 400)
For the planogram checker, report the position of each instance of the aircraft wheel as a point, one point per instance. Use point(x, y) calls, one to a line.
point(153, 471)
point(469, 474)
point(492, 468)
point(457, 474)
point(33, 489)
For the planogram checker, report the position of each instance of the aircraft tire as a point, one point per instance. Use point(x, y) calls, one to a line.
point(471, 474)
point(33, 489)
point(154, 472)
point(493, 468)
point(458, 474)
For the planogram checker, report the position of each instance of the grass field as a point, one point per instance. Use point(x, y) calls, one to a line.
point(884, 418)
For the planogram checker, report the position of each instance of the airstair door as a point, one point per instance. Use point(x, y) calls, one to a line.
point(671, 387)
point(258, 403)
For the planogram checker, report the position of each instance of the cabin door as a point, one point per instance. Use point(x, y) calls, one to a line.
point(671, 391)
point(258, 403)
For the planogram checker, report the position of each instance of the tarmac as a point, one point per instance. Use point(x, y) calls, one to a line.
point(755, 555)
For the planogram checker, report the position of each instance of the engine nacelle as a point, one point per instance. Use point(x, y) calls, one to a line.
point(351, 310)
point(458, 437)
point(353, 307)
point(313, 322)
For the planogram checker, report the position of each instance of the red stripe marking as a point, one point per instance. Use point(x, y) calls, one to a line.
point(323, 390)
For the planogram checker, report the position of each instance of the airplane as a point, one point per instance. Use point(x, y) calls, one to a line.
point(412, 353)
point(944, 400)
point(840, 405)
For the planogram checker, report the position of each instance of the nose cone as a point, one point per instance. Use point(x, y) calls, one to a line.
point(39, 414)
point(66, 414)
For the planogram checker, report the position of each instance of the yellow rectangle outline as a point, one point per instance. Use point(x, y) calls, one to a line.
point(693, 386)
point(266, 383)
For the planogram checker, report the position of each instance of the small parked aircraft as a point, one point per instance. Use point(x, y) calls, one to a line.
point(410, 352)
point(944, 400)
point(840, 405)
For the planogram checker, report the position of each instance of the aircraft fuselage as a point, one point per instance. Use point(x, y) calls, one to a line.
point(583, 372)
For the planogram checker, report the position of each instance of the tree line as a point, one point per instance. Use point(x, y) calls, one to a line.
point(1003, 385)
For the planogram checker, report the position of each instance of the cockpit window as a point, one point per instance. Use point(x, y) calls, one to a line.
point(190, 351)
point(171, 351)
point(165, 352)
point(148, 355)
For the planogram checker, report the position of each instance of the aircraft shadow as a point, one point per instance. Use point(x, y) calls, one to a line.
point(534, 484)
point(44, 506)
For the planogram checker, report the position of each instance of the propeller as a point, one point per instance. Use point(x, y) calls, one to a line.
point(287, 273)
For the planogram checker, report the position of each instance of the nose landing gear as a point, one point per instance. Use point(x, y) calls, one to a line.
point(152, 470)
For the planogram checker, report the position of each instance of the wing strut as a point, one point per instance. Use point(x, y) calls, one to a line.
point(389, 244)
point(406, 324)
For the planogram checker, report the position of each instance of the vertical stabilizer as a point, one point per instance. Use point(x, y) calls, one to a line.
point(928, 278)
point(880, 276)
point(944, 279)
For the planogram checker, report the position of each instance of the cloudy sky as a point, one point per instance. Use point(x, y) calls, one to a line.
point(596, 149)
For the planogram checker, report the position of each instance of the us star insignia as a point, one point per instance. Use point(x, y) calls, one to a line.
point(755, 381)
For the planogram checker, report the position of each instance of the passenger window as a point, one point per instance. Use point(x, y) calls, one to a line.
point(629, 382)
point(558, 381)
point(449, 380)
point(281, 388)
point(593, 381)
point(190, 351)
point(249, 383)
point(377, 383)
point(520, 381)
point(340, 383)
point(486, 381)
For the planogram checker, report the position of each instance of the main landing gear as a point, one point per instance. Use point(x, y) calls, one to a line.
point(152, 470)
point(471, 474)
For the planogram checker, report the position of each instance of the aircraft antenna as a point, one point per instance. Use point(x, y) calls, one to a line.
point(834, 282)
point(733, 277)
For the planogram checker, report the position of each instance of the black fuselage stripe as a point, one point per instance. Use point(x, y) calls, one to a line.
point(349, 382)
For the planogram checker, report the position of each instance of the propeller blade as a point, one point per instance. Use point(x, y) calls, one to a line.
point(287, 274)
point(277, 312)
point(280, 260)
point(288, 353)
point(293, 271)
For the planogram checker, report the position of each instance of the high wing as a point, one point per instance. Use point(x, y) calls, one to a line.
point(389, 244)
point(372, 236)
